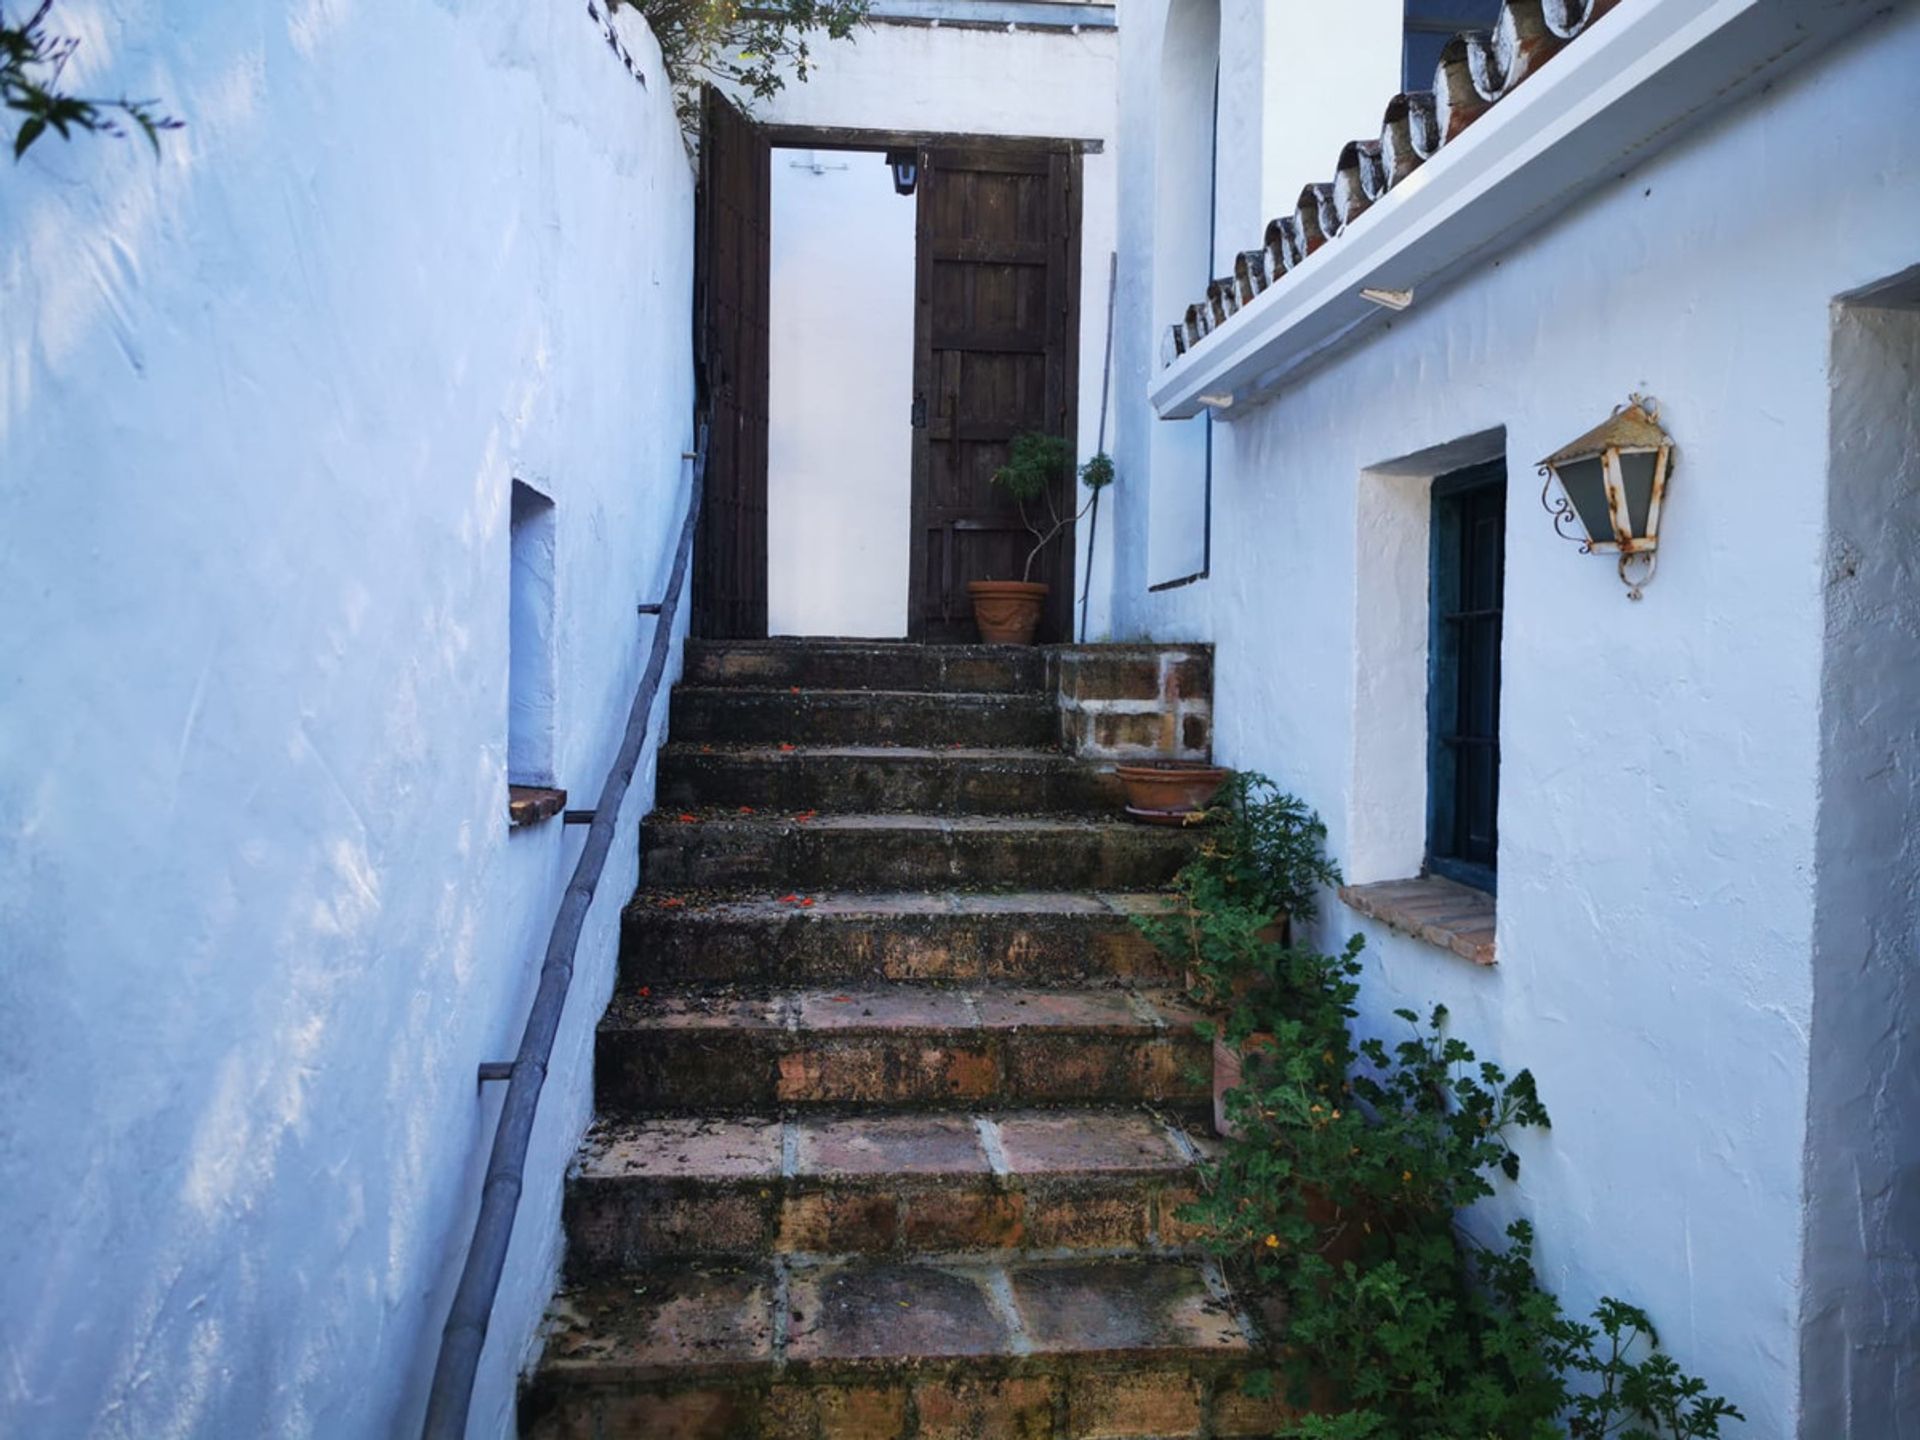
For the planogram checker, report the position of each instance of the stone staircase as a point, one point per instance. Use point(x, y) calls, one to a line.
point(896, 1108)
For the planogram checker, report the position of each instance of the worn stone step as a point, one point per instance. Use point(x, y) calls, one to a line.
point(846, 1348)
point(724, 715)
point(951, 780)
point(849, 664)
point(902, 1045)
point(1078, 1179)
point(1042, 938)
point(783, 853)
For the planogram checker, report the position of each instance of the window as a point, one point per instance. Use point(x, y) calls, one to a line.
point(530, 641)
point(1429, 25)
point(1463, 691)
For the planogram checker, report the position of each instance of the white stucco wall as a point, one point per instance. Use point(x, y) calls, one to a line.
point(260, 912)
point(1662, 763)
point(839, 396)
point(1052, 84)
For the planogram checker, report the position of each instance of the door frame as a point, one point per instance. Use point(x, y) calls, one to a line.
point(852, 138)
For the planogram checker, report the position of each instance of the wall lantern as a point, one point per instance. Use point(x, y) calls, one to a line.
point(1612, 480)
point(905, 165)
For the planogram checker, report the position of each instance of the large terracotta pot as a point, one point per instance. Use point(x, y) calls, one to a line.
point(1168, 792)
point(1007, 611)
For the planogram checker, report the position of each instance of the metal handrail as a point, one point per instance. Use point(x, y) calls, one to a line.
point(466, 1328)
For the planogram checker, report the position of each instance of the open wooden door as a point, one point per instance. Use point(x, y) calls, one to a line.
point(732, 223)
point(996, 335)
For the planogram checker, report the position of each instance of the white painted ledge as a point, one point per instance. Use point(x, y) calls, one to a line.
point(1624, 90)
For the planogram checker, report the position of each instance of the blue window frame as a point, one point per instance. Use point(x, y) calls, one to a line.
point(1469, 543)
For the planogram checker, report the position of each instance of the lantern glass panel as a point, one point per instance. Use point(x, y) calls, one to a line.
point(1585, 482)
point(1636, 478)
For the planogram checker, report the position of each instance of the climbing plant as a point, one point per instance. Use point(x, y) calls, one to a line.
point(33, 62)
point(1342, 1185)
point(749, 48)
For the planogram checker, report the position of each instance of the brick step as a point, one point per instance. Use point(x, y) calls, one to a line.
point(845, 1348)
point(727, 715)
point(1045, 938)
point(902, 1045)
point(866, 665)
point(1042, 1180)
point(906, 852)
point(948, 781)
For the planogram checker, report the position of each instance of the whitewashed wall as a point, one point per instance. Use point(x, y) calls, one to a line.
point(840, 396)
point(1663, 763)
point(947, 79)
point(261, 914)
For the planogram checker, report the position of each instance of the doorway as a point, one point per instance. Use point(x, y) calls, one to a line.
point(895, 347)
point(839, 395)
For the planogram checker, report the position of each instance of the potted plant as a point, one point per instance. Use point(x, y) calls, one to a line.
point(1170, 792)
point(1008, 611)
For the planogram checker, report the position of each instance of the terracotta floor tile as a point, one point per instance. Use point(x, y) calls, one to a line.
point(712, 1148)
point(1121, 1305)
point(1043, 1142)
point(885, 1144)
point(901, 1007)
point(1058, 1010)
point(873, 1311)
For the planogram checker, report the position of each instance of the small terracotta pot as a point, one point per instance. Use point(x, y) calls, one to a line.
point(1166, 792)
point(1007, 611)
point(1229, 1070)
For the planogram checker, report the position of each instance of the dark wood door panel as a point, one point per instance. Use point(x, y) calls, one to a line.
point(731, 342)
point(997, 268)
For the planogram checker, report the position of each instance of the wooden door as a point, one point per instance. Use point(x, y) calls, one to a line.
point(995, 350)
point(732, 220)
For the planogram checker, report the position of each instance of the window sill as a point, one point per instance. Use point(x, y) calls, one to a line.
point(1441, 912)
point(530, 804)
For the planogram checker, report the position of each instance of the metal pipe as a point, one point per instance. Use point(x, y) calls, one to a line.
point(466, 1330)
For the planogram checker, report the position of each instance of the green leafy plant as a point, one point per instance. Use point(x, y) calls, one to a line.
point(32, 62)
point(1263, 859)
point(1036, 463)
point(1341, 1191)
point(748, 48)
point(1350, 1163)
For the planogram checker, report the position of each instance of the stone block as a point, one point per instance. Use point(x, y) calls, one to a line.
point(1016, 1408)
point(1133, 1405)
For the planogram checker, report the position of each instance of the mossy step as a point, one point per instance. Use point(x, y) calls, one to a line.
point(1021, 937)
point(851, 664)
point(945, 780)
point(1069, 1180)
point(796, 716)
point(897, 1046)
point(946, 1347)
point(782, 853)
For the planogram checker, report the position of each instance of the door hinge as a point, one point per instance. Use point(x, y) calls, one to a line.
point(919, 412)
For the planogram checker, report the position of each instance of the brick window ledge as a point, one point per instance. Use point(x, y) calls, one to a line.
point(530, 804)
point(1441, 912)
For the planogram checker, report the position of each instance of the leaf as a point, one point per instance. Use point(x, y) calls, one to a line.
point(30, 131)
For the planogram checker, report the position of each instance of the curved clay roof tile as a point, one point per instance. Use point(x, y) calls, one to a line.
point(1466, 62)
point(1359, 180)
point(1250, 273)
point(1408, 135)
point(1286, 247)
point(1568, 18)
point(1318, 223)
point(1522, 41)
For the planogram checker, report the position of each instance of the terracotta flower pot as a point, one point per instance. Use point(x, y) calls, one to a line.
point(1229, 1070)
point(1007, 611)
point(1167, 792)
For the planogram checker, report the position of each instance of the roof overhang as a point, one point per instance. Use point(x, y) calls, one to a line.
point(1623, 91)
